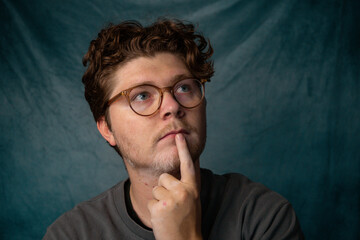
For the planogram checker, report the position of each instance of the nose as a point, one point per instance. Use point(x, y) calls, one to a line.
point(170, 107)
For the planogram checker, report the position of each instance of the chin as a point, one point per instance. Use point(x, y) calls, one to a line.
point(166, 162)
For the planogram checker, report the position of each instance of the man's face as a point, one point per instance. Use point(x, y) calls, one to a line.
point(148, 143)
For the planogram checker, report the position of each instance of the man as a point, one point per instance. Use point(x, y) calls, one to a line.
point(145, 87)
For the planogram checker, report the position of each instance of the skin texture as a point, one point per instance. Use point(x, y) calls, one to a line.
point(164, 172)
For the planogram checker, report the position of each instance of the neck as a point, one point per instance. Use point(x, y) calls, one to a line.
point(142, 183)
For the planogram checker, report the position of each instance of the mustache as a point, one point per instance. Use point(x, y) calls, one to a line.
point(173, 126)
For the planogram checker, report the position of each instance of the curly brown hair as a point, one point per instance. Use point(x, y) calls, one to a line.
point(118, 44)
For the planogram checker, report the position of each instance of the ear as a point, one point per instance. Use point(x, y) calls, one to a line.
point(105, 131)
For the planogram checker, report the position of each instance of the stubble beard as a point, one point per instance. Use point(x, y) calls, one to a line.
point(160, 162)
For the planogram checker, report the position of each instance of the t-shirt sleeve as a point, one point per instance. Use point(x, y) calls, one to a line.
point(62, 228)
point(261, 213)
point(267, 215)
point(283, 224)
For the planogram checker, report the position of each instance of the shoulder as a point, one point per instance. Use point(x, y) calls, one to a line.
point(250, 191)
point(240, 188)
point(254, 209)
point(97, 206)
point(87, 217)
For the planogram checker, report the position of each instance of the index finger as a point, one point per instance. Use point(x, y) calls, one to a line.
point(187, 168)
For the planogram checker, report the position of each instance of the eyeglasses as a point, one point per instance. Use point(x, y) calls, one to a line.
point(146, 99)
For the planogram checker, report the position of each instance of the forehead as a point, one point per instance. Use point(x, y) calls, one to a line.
point(161, 70)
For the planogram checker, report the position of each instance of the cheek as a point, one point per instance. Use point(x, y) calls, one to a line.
point(121, 125)
point(198, 121)
point(201, 118)
point(131, 130)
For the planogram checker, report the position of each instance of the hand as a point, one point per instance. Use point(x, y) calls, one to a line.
point(176, 210)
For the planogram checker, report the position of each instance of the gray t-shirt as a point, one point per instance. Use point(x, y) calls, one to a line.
point(233, 207)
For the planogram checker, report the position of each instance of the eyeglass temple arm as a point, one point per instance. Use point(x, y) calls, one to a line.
point(116, 97)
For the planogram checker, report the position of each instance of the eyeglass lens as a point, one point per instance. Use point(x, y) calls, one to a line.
point(146, 99)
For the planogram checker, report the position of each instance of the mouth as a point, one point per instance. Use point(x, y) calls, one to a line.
point(173, 133)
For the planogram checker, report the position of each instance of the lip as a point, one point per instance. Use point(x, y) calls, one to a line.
point(174, 132)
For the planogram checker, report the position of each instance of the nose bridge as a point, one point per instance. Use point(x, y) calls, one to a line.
point(166, 89)
point(169, 104)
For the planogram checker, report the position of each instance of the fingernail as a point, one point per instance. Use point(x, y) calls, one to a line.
point(180, 136)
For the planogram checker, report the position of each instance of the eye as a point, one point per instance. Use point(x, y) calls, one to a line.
point(140, 97)
point(183, 88)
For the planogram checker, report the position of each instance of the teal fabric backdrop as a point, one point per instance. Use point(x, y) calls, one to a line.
point(283, 106)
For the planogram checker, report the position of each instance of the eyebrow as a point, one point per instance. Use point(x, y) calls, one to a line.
point(174, 79)
point(181, 77)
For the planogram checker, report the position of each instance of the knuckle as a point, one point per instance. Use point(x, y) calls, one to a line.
point(196, 194)
point(163, 177)
point(182, 195)
point(156, 189)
